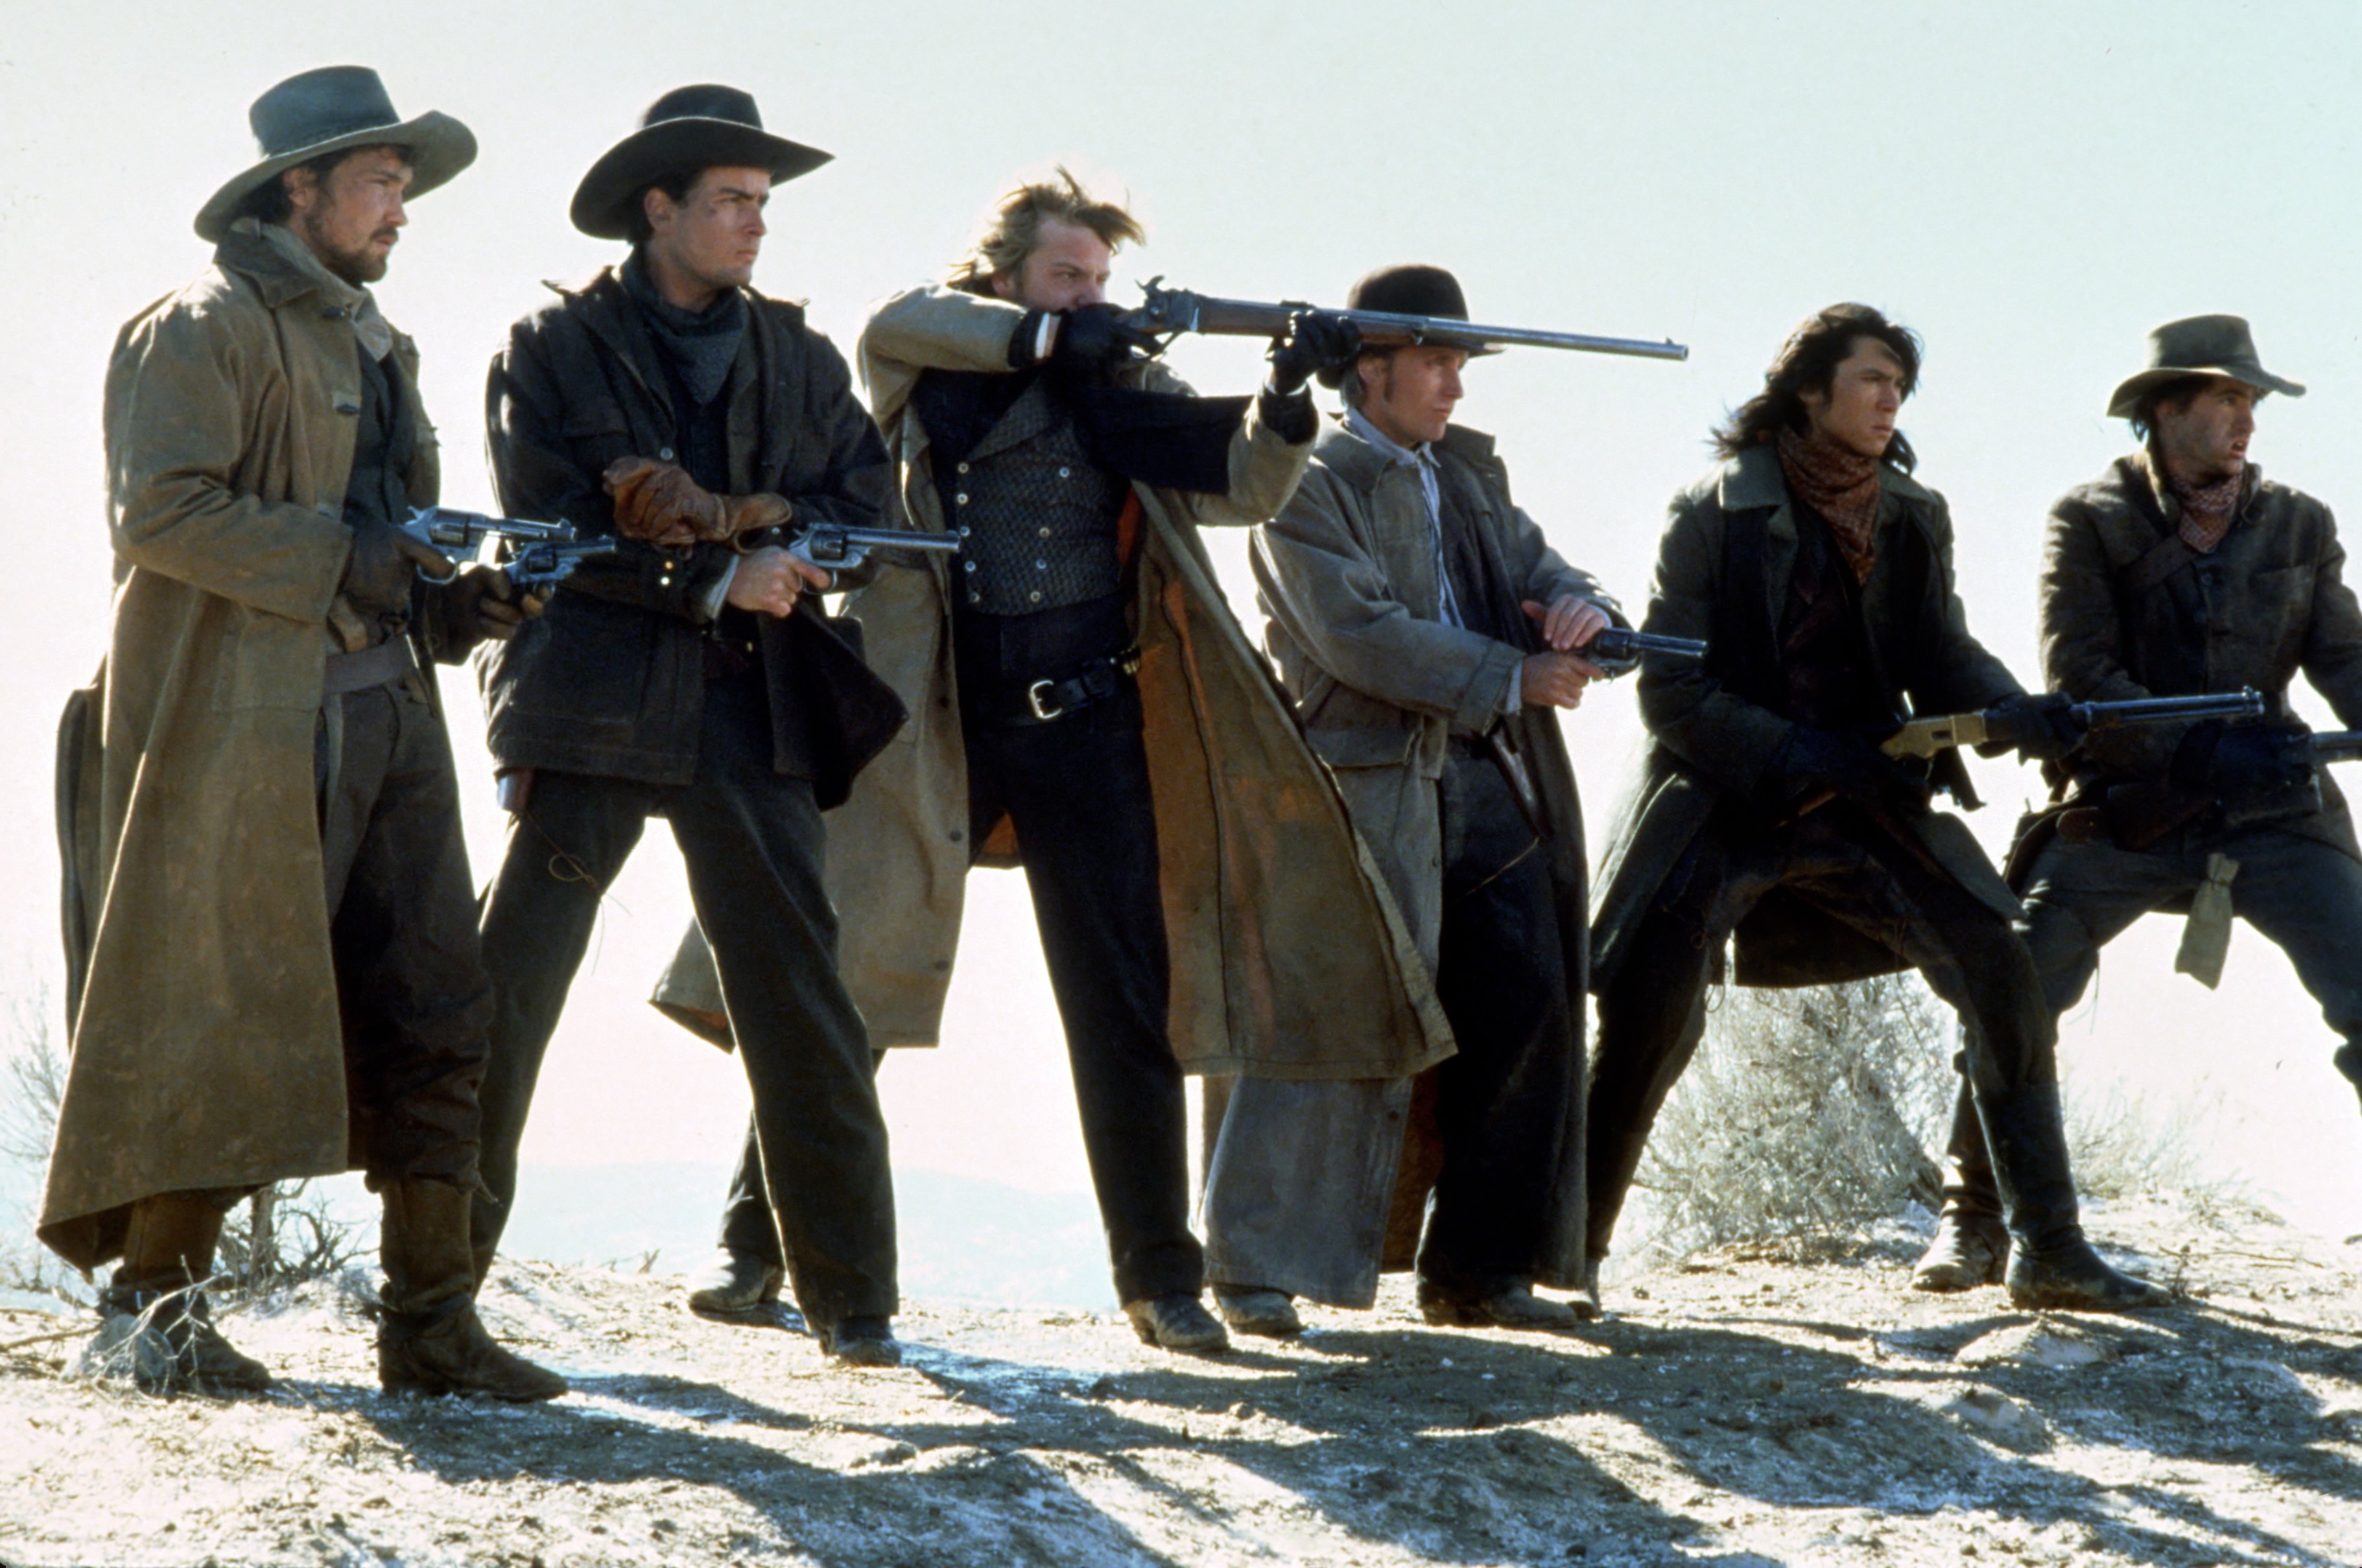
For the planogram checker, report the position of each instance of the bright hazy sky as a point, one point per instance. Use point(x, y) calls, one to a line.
point(2031, 186)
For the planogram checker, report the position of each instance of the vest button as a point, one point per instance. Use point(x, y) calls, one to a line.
point(962, 533)
point(1037, 596)
point(963, 468)
point(969, 565)
point(1041, 565)
point(1065, 473)
point(975, 599)
point(961, 498)
point(1045, 533)
point(664, 454)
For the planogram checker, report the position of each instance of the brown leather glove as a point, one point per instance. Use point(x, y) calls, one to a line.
point(660, 503)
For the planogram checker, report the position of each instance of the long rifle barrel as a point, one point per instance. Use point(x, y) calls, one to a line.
point(1179, 310)
point(2245, 703)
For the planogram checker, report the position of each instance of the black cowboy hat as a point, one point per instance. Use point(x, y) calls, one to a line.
point(1411, 289)
point(687, 129)
point(328, 110)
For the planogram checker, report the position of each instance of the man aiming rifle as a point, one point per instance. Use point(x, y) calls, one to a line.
point(2182, 570)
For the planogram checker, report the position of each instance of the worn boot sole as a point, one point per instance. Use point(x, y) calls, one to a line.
point(1960, 1258)
point(866, 1352)
point(1535, 1315)
point(1266, 1313)
point(1196, 1334)
point(458, 1355)
point(732, 1300)
point(2079, 1282)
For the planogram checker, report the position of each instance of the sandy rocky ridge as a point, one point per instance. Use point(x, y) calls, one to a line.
point(1746, 1407)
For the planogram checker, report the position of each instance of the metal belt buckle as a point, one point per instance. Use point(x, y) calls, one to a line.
point(1036, 696)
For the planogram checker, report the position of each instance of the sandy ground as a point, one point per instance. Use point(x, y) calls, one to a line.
point(1739, 1409)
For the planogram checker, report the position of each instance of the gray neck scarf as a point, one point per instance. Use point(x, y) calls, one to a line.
point(702, 343)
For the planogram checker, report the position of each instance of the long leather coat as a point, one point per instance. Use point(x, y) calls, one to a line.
point(1708, 742)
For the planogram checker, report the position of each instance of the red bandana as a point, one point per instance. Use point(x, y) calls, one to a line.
point(2206, 509)
point(1842, 486)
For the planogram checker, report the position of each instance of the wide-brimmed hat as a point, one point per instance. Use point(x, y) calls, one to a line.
point(688, 128)
point(1411, 289)
point(2199, 346)
point(325, 111)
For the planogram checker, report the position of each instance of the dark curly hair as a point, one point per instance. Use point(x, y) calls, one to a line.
point(1808, 361)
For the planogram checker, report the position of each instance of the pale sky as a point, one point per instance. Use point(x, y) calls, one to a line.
point(2031, 186)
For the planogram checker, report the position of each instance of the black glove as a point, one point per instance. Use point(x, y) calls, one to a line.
point(2040, 726)
point(1814, 761)
point(1315, 340)
point(2238, 764)
point(385, 562)
point(1095, 338)
point(480, 604)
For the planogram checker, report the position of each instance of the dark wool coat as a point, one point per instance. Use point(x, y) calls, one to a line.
point(1709, 743)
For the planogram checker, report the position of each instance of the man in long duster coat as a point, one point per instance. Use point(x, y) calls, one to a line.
point(1402, 583)
point(270, 921)
point(1285, 956)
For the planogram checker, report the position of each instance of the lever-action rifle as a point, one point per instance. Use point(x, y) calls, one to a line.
point(1619, 650)
point(1926, 737)
point(1170, 312)
point(536, 557)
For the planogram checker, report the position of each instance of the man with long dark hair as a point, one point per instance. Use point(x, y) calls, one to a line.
point(2181, 570)
point(1819, 572)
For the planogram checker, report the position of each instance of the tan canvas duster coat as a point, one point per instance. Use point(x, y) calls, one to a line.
point(206, 1046)
point(1288, 958)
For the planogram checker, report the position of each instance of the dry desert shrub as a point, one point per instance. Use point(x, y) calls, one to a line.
point(1806, 1113)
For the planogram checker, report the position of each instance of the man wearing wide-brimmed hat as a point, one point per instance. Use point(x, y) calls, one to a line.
point(264, 730)
point(1428, 635)
point(2179, 571)
point(693, 676)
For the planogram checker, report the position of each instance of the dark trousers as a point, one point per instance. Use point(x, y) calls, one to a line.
point(1841, 860)
point(2304, 895)
point(1501, 1100)
point(1076, 791)
point(410, 983)
point(752, 840)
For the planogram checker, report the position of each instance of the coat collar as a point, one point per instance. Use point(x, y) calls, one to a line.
point(1753, 478)
point(246, 250)
point(1362, 465)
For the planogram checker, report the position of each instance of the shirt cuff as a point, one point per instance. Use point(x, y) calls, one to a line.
point(1513, 701)
point(709, 602)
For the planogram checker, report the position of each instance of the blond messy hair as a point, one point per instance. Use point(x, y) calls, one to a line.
point(1014, 230)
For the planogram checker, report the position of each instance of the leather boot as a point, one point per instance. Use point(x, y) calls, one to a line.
point(1971, 1243)
point(168, 1255)
point(1177, 1322)
point(429, 1340)
point(2051, 1263)
point(1252, 1309)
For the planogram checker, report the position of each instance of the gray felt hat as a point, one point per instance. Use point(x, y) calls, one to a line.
point(2199, 346)
point(688, 128)
point(328, 110)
